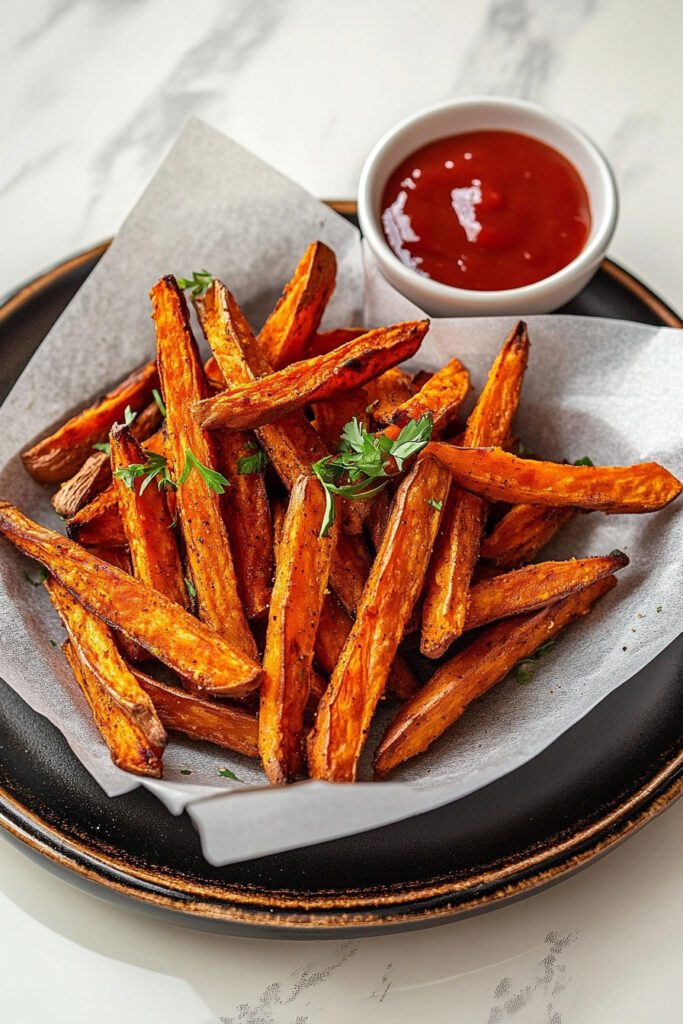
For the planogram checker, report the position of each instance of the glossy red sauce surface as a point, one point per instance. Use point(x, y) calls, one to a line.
point(486, 211)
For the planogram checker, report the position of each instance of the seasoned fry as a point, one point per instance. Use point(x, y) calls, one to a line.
point(246, 508)
point(267, 400)
point(59, 456)
point(292, 444)
point(457, 549)
point(327, 341)
point(95, 473)
point(224, 724)
point(303, 567)
point(204, 659)
point(146, 523)
point(99, 523)
point(499, 476)
point(358, 681)
point(287, 332)
point(128, 745)
point(522, 532)
point(247, 517)
point(333, 632)
point(120, 557)
point(441, 397)
point(123, 713)
point(535, 586)
point(90, 480)
point(474, 671)
point(207, 546)
point(387, 392)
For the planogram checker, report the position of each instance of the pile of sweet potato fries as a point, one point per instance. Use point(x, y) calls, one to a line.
point(280, 526)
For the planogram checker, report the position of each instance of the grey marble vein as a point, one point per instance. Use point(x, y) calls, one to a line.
point(31, 166)
point(518, 45)
point(198, 82)
point(631, 146)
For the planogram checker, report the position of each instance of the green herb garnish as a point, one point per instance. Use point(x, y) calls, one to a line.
point(199, 283)
point(155, 467)
point(225, 773)
point(159, 401)
point(366, 461)
point(190, 587)
point(185, 771)
point(40, 578)
point(254, 463)
point(585, 461)
point(435, 503)
point(525, 668)
point(214, 480)
point(103, 446)
point(128, 415)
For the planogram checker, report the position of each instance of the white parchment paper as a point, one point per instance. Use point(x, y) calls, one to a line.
point(601, 388)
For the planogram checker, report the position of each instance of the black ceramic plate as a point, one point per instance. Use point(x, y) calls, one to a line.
point(596, 785)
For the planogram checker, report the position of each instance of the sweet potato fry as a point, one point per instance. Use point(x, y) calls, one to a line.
point(95, 473)
point(333, 632)
point(90, 480)
point(522, 532)
point(457, 549)
point(269, 399)
point(474, 671)
point(536, 586)
point(247, 518)
point(358, 681)
point(120, 558)
point(123, 713)
point(129, 747)
point(287, 332)
point(204, 659)
point(207, 546)
point(247, 512)
point(224, 724)
point(499, 476)
point(292, 444)
point(59, 456)
point(302, 571)
point(99, 523)
point(441, 397)
point(388, 391)
point(146, 523)
point(327, 341)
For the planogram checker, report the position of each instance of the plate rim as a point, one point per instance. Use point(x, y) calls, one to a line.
point(249, 908)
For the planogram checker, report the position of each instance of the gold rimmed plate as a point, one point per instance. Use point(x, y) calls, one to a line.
point(596, 785)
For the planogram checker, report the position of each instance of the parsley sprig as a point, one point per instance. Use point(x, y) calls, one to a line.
point(156, 395)
point(255, 462)
point(154, 467)
point(366, 461)
point(214, 480)
point(525, 668)
point(199, 283)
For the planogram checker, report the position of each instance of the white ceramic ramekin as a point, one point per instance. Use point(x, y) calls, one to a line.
point(475, 114)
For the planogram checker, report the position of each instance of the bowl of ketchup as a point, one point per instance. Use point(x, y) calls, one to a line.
point(486, 206)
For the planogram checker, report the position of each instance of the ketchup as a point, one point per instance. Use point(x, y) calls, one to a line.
point(486, 211)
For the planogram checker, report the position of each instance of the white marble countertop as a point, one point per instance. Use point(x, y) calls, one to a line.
point(95, 91)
